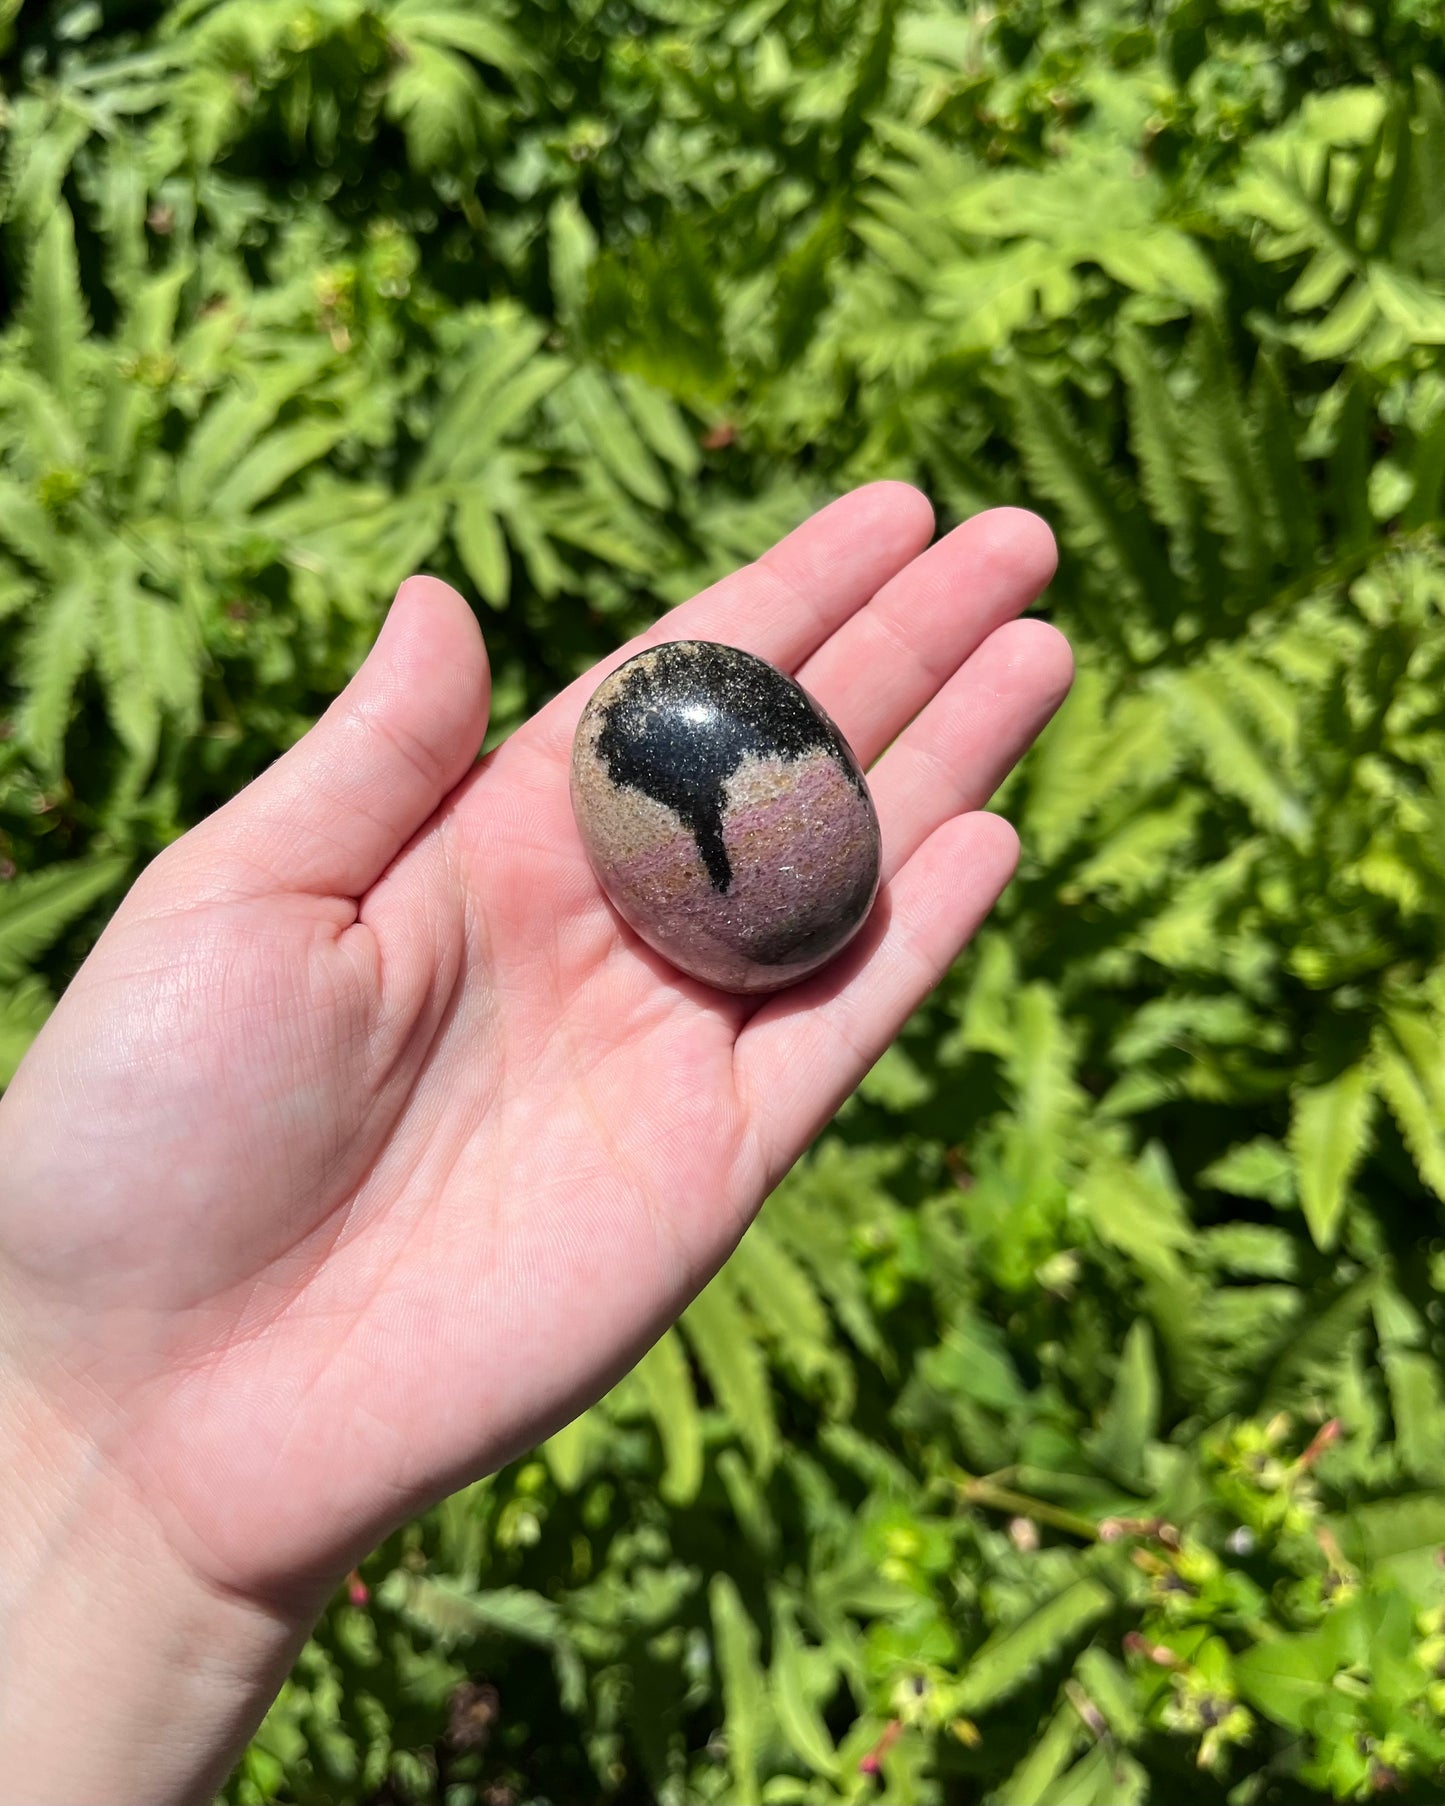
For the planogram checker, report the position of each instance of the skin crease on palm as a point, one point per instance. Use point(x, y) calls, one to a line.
point(368, 1145)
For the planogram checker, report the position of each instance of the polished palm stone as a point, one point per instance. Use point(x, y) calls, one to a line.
point(724, 815)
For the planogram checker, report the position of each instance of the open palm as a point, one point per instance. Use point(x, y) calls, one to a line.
point(369, 1145)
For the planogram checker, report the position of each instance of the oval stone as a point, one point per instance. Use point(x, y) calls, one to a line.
point(724, 815)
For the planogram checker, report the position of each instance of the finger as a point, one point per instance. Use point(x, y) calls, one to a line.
point(788, 601)
point(807, 1048)
point(882, 665)
point(332, 813)
point(968, 739)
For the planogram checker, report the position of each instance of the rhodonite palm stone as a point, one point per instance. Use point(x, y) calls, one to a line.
point(724, 815)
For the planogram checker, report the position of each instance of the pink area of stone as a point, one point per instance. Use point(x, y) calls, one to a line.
point(804, 852)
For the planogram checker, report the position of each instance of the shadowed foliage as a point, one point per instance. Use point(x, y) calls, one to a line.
point(1069, 1428)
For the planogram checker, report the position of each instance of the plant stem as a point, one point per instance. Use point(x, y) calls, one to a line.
point(1018, 1504)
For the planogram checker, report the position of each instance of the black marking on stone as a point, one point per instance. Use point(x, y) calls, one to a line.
point(686, 716)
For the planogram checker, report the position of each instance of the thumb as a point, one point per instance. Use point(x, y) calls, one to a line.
point(332, 813)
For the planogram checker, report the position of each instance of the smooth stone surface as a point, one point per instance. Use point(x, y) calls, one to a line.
point(724, 815)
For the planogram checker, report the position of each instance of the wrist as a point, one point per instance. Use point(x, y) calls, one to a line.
point(125, 1676)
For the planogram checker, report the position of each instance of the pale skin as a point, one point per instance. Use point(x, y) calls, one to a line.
point(368, 1146)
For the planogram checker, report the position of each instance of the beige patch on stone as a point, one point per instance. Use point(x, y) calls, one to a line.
point(805, 809)
point(624, 827)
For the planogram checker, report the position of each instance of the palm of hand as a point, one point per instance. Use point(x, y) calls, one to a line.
point(368, 1145)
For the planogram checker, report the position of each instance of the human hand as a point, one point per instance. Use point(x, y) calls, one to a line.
point(368, 1146)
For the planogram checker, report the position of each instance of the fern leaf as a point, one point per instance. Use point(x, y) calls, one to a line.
point(1112, 1691)
point(783, 1299)
point(1329, 1133)
point(1293, 525)
point(26, 528)
point(793, 1699)
point(437, 100)
point(1221, 456)
point(148, 659)
point(145, 331)
point(483, 548)
point(1237, 764)
point(727, 1350)
point(660, 421)
point(735, 1642)
point(55, 652)
point(37, 907)
point(1141, 857)
point(1011, 1656)
point(460, 27)
point(1153, 259)
point(528, 532)
point(588, 398)
point(23, 1010)
point(1320, 281)
point(1314, 1352)
point(1063, 468)
point(986, 300)
point(55, 311)
point(1131, 1418)
point(1417, 1401)
point(1134, 1209)
point(1418, 310)
point(818, 1237)
point(666, 1383)
point(568, 1452)
point(1039, 1070)
point(501, 383)
point(274, 460)
point(751, 1507)
point(17, 591)
point(51, 427)
point(1417, 238)
point(986, 1017)
point(1158, 445)
point(1096, 748)
point(879, 1470)
point(1336, 336)
point(1103, 1776)
point(1405, 1054)
point(1033, 1780)
point(120, 658)
point(453, 1613)
point(1254, 1169)
point(572, 248)
point(40, 161)
point(232, 425)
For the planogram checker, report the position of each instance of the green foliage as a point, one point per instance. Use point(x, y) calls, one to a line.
point(1070, 1426)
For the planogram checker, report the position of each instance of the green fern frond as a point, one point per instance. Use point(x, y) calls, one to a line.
point(1010, 1657)
point(23, 1011)
point(1221, 456)
point(1157, 441)
point(1064, 469)
point(233, 424)
point(722, 1338)
point(796, 1695)
point(744, 1688)
point(55, 312)
point(1329, 1135)
point(666, 1382)
point(1406, 1065)
point(54, 654)
point(1228, 745)
point(782, 1298)
point(37, 907)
